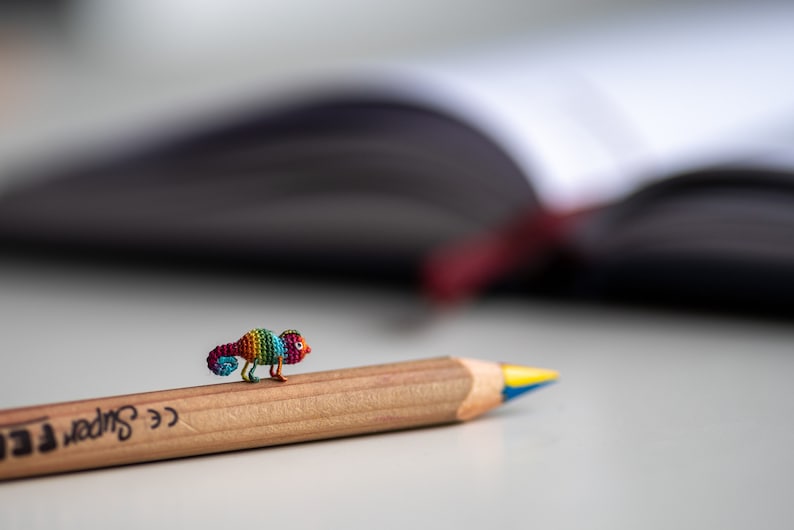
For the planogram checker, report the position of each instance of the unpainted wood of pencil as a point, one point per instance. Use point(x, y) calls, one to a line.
point(153, 426)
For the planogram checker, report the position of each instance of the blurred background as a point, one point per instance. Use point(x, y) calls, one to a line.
point(556, 93)
point(85, 83)
point(74, 70)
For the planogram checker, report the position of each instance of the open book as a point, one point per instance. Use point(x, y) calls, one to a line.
point(646, 155)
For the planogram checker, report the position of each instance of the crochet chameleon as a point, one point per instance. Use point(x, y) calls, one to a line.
point(259, 346)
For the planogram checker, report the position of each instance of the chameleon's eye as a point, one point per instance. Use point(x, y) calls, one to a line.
point(299, 345)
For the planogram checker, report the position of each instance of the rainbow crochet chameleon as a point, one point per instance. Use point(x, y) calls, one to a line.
point(259, 346)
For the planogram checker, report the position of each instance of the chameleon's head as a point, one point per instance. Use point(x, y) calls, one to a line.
point(295, 345)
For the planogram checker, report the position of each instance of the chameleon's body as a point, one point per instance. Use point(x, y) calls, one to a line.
point(259, 346)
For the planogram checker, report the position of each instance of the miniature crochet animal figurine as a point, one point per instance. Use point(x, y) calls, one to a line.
point(259, 346)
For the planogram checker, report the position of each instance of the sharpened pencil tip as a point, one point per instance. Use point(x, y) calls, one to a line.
point(522, 379)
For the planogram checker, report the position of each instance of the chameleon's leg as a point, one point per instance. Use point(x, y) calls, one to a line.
point(278, 375)
point(251, 377)
point(245, 376)
point(272, 371)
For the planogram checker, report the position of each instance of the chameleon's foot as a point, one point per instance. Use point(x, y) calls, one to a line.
point(251, 377)
point(277, 373)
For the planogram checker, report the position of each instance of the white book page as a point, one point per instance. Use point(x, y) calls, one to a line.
point(592, 115)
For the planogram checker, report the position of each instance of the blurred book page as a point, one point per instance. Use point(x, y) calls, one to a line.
point(589, 113)
point(595, 113)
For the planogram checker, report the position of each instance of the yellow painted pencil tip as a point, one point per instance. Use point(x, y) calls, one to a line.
point(522, 379)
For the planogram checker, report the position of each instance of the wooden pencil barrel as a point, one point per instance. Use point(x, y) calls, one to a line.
point(224, 417)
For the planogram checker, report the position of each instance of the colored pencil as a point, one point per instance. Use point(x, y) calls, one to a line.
point(168, 424)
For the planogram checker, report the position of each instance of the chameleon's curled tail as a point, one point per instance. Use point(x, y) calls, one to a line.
point(221, 360)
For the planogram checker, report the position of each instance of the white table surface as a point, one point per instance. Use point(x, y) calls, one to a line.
point(659, 421)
